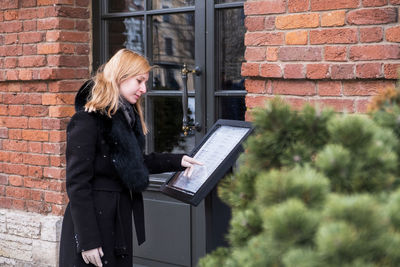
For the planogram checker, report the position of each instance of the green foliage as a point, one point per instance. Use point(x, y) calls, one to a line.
point(315, 188)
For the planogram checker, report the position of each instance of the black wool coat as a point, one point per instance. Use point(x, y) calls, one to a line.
point(101, 200)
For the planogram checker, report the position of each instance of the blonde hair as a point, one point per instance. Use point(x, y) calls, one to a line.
point(105, 94)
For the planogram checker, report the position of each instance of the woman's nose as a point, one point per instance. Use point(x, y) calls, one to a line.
point(143, 88)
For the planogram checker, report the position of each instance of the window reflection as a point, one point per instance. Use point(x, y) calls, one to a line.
point(173, 45)
point(232, 108)
point(168, 135)
point(125, 5)
point(125, 33)
point(230, 48)
point(159, 4)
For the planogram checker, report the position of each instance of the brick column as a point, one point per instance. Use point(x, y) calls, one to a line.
point(326, 52)
point(44, 58)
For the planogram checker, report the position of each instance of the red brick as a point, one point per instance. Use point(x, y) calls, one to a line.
point(17, 192)
point(15, 157)
point(73, 12)
point(28, 3)
point(57, 161)
point(55, 124)
point(296, 38)
point(334, 18)
point(337, 104)
point(15, 134)
point(392, 71)
point(32, 61)
point(35, 99)
point(33, 159)
point(4, 156)
point(301, 88)
point(342, 71)
point(14, 145)
point(265, 7)
point(27, 13)
point(29, 49)
point(298, 6)
point(333, 4)
point(63, 36)
point(61, 111)
point(55, 23)
point(16, 180)
point(370, 35)
point(38, 207)
point(333, 36)
point(15, 122)
point(14, 98)
point(372, 16)
point(55, 173)
point(250, 69)
point(366, 88)
point(54, 2)
point(35, 123)
point(30, 37)
point(34, 87)
point(37, 195)
point(362, 105)
point(329, 88)
point(11, 38)
point(395, 2)
point(15, 110)
point(294, 71)
point(9, 4)
point(35, 147)
point(255, 54)
point(254, 23)
point(369, 70)
point(82, 25)
point(14, 50)
point(272, 53)
point(57, 210)
point(3, 179)
point(57, 136)
point(317, 71)
point(300, 54)
point(35, 135)
point(51, 148)
point(262, 38)
point(255, 86)
point(336, 53)
point(372, 3)
point(297, 21)
point(12, 26)
point(53, 197)
point(58, 99)
point(393, 34)
point(3, 132)
point(55, 48)
point(25, 74)
point(270, 70)
point(373, 52)
point(10, 63)
point(18, 204)
point(29, 25)
point(255, 101)
point(10, 15)
point(35, 111)
point(269, 23)
point(35, 171)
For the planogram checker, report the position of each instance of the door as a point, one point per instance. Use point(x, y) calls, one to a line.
point(170, 33)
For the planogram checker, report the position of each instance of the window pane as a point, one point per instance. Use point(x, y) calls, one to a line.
point(167, 117)
point(160, 4)
point(229, 48)
point(125, 33)
point(173, 45)
point(231, 108)
point(125, 5)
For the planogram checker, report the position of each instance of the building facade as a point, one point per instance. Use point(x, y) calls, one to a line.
point(334, 53)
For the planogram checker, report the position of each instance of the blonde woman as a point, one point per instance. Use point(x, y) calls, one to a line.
point(106, 167)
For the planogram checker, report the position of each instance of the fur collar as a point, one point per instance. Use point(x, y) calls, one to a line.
point(126, 142)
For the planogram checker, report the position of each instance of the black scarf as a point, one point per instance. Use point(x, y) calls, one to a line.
point(127, 139)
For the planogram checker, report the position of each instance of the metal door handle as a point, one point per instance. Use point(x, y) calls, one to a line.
point(185, 125)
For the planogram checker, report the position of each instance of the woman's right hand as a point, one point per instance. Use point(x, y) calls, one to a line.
point(93, 256)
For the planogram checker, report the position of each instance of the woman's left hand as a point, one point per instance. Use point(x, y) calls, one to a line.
point(189, 163)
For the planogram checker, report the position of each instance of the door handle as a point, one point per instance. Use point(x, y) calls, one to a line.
point(185, 124)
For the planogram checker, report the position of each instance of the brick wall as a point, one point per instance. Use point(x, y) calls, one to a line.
point(44, 58)
point(334, 53)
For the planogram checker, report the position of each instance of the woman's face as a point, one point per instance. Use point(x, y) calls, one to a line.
point(132, 88)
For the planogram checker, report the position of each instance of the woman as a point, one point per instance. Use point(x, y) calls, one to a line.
point(106, 167)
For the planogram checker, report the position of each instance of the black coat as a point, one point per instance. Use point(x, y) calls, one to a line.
point(99, 213)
